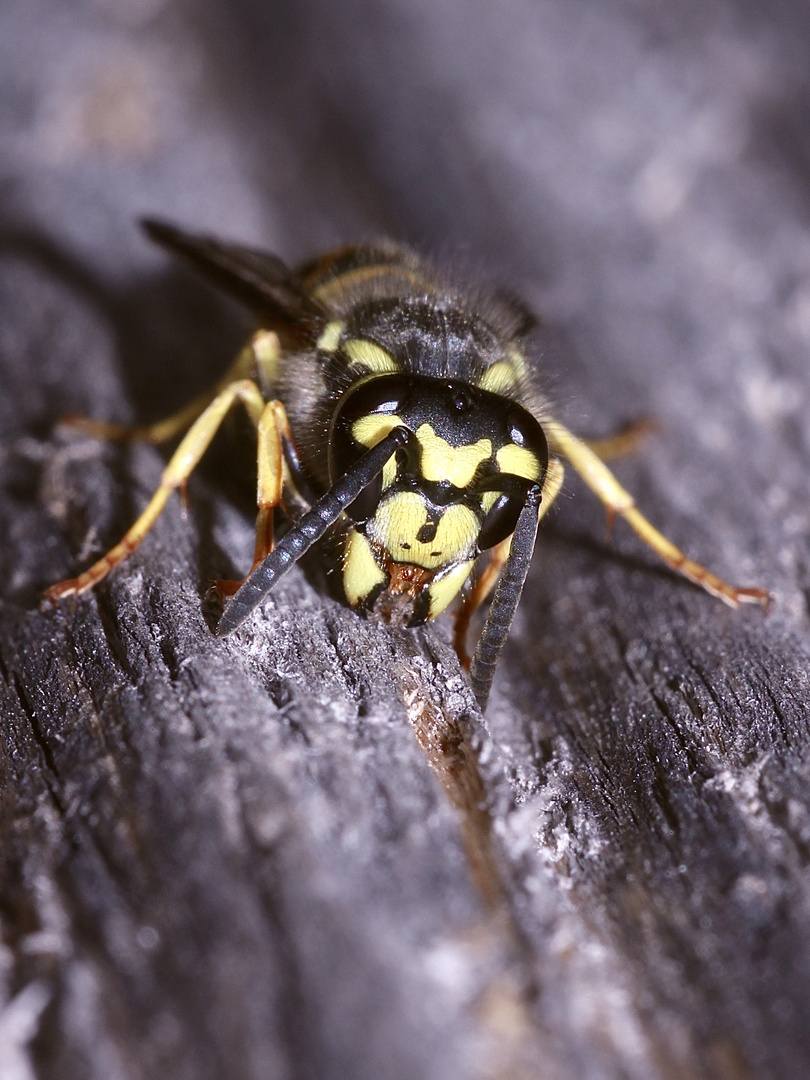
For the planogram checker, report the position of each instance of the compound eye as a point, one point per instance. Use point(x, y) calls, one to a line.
point(501, 520)
point(526, 432)
point(380, 396)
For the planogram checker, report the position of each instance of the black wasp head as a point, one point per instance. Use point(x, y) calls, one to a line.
point(468, 445)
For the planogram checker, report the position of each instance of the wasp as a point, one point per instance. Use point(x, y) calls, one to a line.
point(398, 415)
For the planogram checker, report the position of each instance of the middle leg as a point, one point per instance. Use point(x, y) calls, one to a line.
point(181, 464)
point(485, 582)
point(273, 475)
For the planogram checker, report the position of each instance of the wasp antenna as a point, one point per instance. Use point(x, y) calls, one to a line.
point(308, 531)
point(506, 599)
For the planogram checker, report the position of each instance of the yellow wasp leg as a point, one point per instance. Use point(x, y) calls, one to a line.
point(181, 465)
point(273, 475)
point(271, 465)
point(480, 590)
point(624, 442)
point(259, 357)
point(619, 501)
point(288, 490)
point(498, 556)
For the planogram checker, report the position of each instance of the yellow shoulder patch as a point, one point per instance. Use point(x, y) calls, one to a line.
point(498, 378)
point(518, 361)
point(373, 358)
point(330, 337)
point(504, 376)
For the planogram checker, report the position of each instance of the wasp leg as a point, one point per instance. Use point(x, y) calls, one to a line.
point(309, 529)
point(296, 495)
point(623, 442)
point(273, 475)
point(619, 501)
point(479, 592)
point(500, 553)
point(181, 465)
point(258, 358)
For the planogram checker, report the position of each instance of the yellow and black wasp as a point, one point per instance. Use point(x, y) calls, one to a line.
point(400, 415)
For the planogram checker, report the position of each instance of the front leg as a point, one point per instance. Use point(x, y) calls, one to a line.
point(272, 477)
point(506, 599)
point(485, 582)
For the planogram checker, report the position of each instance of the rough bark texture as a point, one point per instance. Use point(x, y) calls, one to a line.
point(300, 853)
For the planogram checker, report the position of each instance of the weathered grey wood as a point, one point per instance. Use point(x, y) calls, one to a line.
point(300, 852)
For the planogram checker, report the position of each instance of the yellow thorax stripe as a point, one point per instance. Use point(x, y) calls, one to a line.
point(338, 287)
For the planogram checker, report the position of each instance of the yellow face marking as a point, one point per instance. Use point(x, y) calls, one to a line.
point(368, 431)
point(518, 461)
point(488, 500)
point(330, 337)
point(445, 587)
point(372, 429)
point(498, 378)
point(441, 461)
point(361, 574)
point(373, 358)
point(397, 523)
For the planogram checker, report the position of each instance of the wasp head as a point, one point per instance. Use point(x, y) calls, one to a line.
point(455, 488)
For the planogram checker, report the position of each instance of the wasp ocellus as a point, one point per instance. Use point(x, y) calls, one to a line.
point(400, 415)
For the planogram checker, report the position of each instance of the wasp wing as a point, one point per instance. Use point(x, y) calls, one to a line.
point(257, 278)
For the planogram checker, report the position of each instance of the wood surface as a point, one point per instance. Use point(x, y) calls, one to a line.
point(301, 852)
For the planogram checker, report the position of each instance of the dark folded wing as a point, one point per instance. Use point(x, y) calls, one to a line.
point(257, 278)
